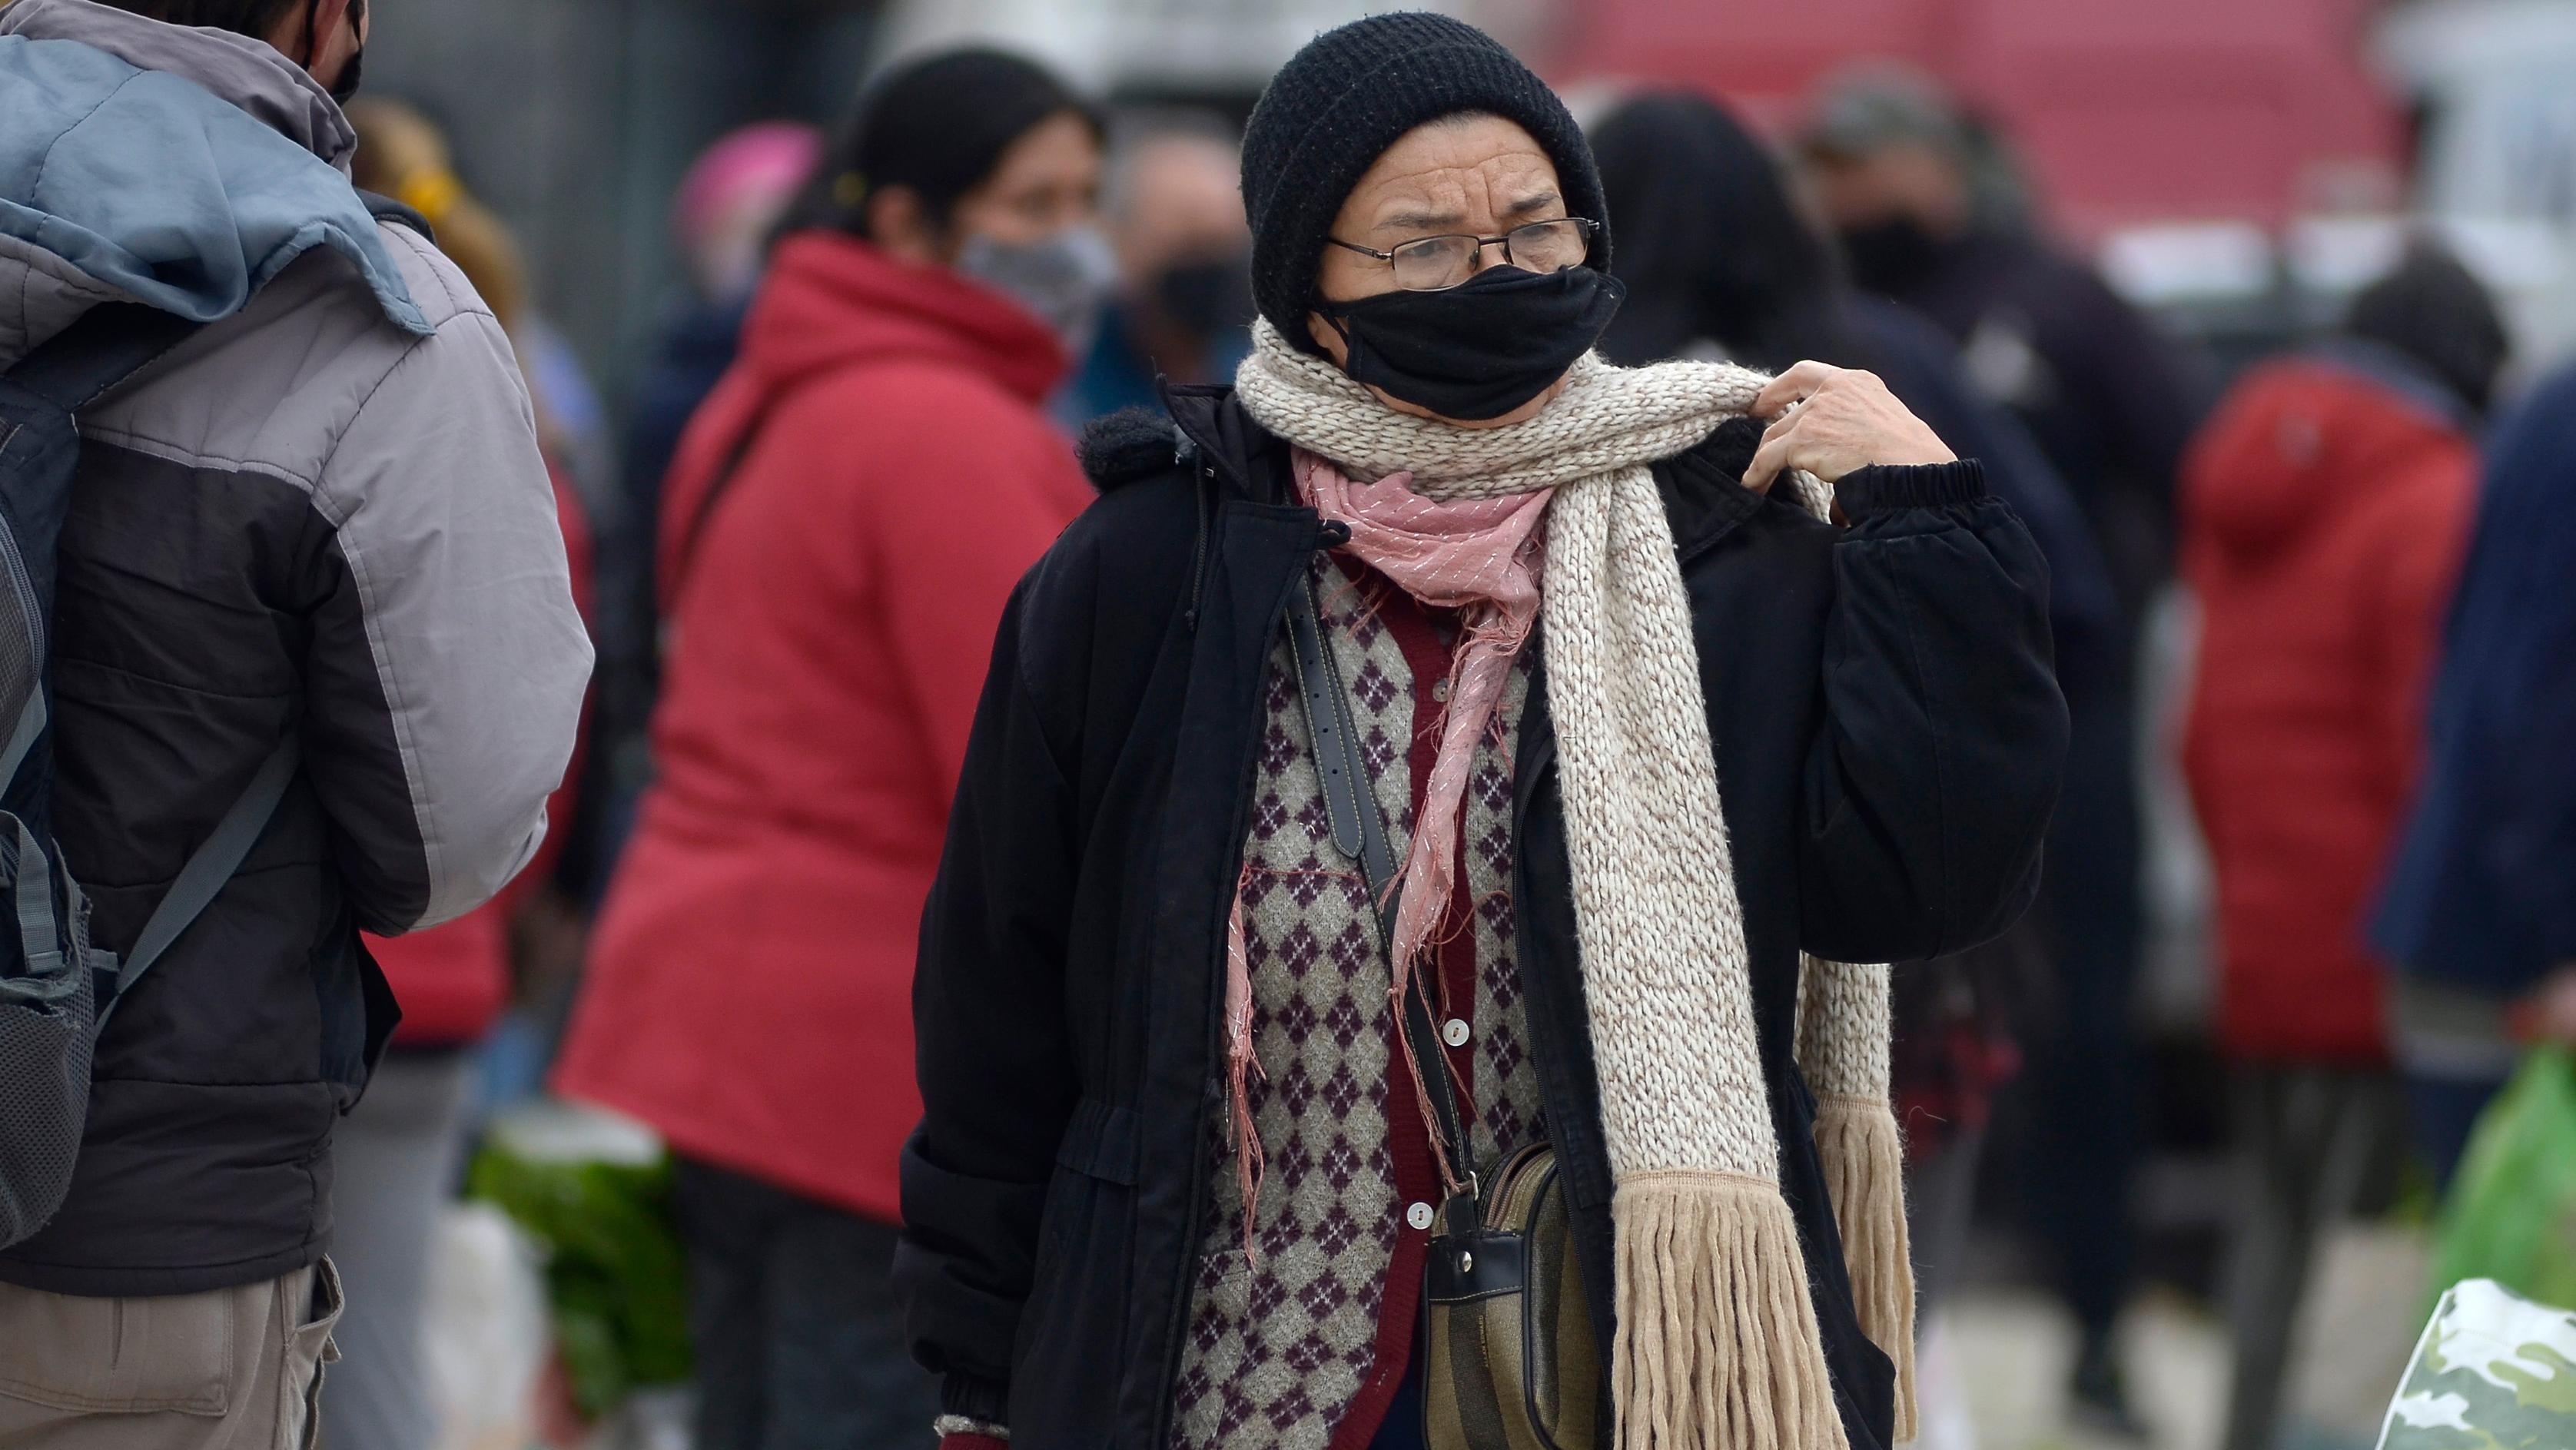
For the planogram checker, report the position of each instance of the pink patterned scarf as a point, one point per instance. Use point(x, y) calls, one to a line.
point(1481, 557)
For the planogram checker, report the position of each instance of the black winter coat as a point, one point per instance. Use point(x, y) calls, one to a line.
point(1889, 736)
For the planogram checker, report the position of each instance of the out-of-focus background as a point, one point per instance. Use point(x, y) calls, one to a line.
point(2135, 1155)
point(2239, 163)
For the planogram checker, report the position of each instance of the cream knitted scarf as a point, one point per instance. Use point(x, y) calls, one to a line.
point(1717, 1346)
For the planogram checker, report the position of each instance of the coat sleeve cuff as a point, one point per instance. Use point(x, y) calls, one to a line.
point(1915, 486)
point(973, 1405)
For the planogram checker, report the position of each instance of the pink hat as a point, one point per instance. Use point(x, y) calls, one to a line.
point(768, 161)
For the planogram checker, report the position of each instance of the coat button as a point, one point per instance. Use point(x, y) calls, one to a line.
point(1455, 1033)
point(1440, 692)
point(1419, 1215)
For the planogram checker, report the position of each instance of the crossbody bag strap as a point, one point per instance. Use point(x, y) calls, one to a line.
point(209, 870)
point(1359, 830)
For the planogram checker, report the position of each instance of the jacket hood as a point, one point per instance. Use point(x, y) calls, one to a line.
point(2299, 433)
point(247, 74)
point(183, 168)
point(833, 300)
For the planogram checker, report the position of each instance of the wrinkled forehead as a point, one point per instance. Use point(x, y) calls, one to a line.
point(1459, 172)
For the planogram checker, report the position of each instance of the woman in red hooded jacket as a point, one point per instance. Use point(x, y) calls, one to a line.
point(846, 516)
point(2325, 512)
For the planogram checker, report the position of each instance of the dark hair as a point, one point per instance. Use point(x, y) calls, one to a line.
point(937, 126)
point(258, 19)
point(1710, 244)
point(2435, 311)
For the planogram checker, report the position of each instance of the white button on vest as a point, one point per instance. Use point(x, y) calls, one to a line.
point(1455, 1034)
point(1419, 1215)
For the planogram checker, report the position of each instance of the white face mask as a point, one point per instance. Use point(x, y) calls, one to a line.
point(1065, 279)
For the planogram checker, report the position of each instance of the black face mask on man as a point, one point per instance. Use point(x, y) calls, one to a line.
point(1893, 254)
point(345, 89)
point(1480, 349)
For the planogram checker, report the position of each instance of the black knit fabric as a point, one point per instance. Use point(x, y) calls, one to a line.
point(1340, 102)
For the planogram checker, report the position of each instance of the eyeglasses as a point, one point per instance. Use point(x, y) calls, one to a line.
point(1432, 264)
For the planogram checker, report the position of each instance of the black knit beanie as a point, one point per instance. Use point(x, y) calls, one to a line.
point(938, 125)
point(2436, 311)
point(1338, 104)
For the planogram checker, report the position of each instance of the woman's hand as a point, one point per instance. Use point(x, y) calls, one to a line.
point(1832, 421)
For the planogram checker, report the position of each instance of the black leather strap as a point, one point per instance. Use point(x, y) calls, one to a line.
point(1360, 835)
point(1359, 830)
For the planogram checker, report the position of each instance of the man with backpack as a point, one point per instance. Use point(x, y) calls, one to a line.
point(287, 650)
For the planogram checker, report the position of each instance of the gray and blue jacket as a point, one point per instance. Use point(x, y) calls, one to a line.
point(325, 512)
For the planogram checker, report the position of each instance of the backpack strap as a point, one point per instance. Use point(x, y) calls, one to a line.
point(209, 870)
point(109, 344)
point(39, 928)
point(30, 728)
point(87, 360)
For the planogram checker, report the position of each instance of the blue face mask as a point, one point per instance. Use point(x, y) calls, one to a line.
point(1065, 279)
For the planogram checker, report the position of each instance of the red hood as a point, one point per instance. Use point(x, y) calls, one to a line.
point(2291, 438)
point(833, 300)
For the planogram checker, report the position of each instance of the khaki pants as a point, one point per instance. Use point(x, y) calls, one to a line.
point(234, 1369)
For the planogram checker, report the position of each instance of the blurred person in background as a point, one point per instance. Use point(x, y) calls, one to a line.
point(2478, 913)
point(1720, 264)
point(722, 223)
point(2324, 512)
point(844, 520)
point(1184, 308)
point(1907, 188)
point(1910, 191)
point(400, 1148)
point(1175, 1182)
point(318, 531)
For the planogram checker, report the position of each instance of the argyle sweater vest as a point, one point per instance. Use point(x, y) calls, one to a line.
point(1302, 1350)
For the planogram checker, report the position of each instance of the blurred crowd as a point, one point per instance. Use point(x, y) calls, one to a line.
point(795, 528)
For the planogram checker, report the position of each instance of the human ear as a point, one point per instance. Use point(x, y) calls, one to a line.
point(1329, 338)
point(900, 226)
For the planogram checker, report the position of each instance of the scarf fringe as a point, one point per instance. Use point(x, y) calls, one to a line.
point(1718, 1347)
point(1251, 1162)
point(1864, 1163)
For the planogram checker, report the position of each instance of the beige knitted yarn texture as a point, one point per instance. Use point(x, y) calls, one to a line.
point(1842, 1049)
point(1718, 1347)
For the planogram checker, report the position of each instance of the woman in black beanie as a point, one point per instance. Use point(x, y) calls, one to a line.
point(1446, 770)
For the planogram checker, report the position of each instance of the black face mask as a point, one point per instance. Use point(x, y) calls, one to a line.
point(1482, 348)
point(347, 90)
point(1894, 254)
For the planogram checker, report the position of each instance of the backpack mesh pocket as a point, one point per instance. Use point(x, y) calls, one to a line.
point(47, 1011)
